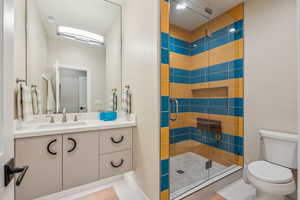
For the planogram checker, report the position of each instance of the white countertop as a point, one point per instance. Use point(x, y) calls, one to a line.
point(41, 129)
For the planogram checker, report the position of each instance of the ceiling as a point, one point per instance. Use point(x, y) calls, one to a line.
point(94, 16)
point(194, 15)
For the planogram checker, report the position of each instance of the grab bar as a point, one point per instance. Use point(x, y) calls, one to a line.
point(176, 110)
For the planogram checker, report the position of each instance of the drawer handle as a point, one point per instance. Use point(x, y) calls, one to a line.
point(117, 165)
point(74, 144)
point(117, 142)
point(49, 147)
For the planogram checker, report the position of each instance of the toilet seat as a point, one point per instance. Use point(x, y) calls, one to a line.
point(270, 173)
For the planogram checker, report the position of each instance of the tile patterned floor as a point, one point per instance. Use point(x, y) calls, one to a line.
point(194, 174)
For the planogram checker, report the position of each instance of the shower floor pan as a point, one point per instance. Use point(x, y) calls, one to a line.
point(187, 171)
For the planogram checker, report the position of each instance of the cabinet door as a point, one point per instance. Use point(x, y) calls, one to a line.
point(43, 155)
point(80, 159)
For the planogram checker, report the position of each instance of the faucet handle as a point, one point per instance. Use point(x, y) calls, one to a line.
point(75, 118)
point(51, 118)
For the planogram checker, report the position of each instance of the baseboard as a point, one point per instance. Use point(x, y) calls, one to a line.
point(129, 178)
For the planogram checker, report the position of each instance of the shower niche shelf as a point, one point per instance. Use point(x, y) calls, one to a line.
point(210, 92)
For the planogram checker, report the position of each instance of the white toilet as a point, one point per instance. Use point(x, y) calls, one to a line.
point(272, 177)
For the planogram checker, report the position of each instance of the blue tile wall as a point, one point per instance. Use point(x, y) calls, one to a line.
point(230, 143)
point(180, 46)
point(164, 104)
point(218, 38)
point(223, 71)
point(180, 134)
point(219, 106)
point(164, 119)
point(164, 182)
point(179, 75)
point(164, 40)
point(164, 56)
point(164, 167)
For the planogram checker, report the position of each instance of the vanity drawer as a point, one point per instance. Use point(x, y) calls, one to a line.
point(115, 140)
point(115, 163)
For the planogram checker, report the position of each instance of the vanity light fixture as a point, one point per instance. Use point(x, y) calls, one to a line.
point(80, 35)
point(181, 6)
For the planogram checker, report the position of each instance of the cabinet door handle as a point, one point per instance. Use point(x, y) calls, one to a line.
point(117, 165)
point(49, 147)
point(74, 144)
point(118, 141)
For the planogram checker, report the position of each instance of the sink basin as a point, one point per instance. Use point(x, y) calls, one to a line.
point(61, 125)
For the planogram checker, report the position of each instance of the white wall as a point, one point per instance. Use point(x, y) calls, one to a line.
point(141, 71)
point(37, 46)
point(72, 53)
point(7, 85)
point(20, 40)
point(270, 70)
point(113, 59)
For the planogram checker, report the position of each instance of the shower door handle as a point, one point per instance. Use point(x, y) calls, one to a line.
point(176, 108)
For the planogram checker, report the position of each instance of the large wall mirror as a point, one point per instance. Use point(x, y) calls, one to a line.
point(73, 53)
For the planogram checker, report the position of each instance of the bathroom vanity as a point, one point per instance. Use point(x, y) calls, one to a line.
point(73, 65)
point(62, 156)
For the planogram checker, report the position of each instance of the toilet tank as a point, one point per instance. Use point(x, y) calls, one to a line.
point(280, 148)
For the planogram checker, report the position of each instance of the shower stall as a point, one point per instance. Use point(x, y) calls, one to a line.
point(205, 102)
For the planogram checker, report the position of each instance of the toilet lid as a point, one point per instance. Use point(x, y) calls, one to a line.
point(269, 172)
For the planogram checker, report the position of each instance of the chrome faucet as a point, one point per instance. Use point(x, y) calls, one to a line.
point(52, 120)
point(64, 117)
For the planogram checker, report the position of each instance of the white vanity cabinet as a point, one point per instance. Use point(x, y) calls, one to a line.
point(80, 159)
point(67, 160)
point(115, 152)
point(43, 155)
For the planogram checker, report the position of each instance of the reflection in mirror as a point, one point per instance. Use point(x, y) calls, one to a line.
point(74, 54)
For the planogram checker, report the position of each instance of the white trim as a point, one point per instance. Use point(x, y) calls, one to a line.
point(7, 85)
point(1, 81)
point(209, 182)
point(130, 180)
point(89, 83)
point(298, 84)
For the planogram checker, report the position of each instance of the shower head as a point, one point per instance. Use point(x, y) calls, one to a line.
point(208, 10)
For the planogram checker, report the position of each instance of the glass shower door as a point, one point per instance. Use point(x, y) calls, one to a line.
point(188, 156)
point(206, 93)
point(225, 92)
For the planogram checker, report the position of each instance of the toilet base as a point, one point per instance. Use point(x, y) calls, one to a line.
point(266, 196)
